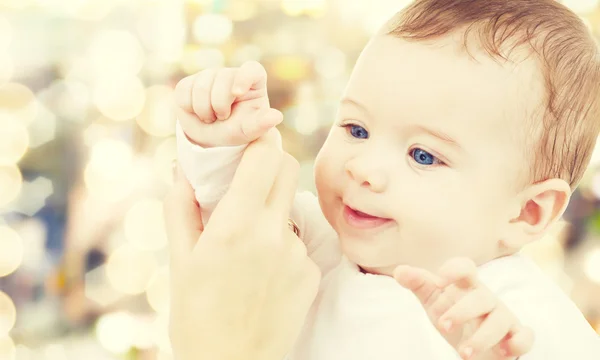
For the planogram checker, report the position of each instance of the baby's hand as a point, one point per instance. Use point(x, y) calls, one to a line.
point(467, 314)
point(225, 107)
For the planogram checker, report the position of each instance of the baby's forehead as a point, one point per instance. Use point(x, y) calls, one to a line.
point(436, 78)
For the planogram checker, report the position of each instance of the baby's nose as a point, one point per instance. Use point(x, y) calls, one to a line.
point(367, 174)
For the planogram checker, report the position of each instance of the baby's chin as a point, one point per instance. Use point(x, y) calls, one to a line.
point(369, 254)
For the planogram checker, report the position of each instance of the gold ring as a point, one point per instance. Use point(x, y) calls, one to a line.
point(294, 227)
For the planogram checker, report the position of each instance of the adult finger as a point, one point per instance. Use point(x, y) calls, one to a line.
point(183, 219)
point(264, 120)
point(255, 174)
point(201, 95)
point(281, 197)
point(422, 283)
point(250, 76)
point(460, 271)
point(221, 95)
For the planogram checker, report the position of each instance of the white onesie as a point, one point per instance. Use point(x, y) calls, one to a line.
point(363, 316)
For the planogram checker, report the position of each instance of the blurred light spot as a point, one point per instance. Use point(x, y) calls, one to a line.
point(158, 116)
point(55, 352)
point(8, 349)
point(111, 157)
point(98, 289)
point(144, 225)
point(6, 29)
point(115, 53)
point(109, 168)
point(196, 59)
point(161, 68)
point(376, 16)
point(309, 7)
point(157, 293)
point(305, 117)
point(130, 270)
point(242, 10)
point(581, 6)
point(11, 250)
point(42, 129)
point(592, 265)
point(23, 353)
point(120, 99)
point(587, 23)
point(34, 195)
point(161, 334)
point(161, 28)
point(143, 337)
point(11, 183)
point(90, 10)
point(290, 68)
point(595, 160)
point(165, 153)
point(33, 233)
point(18, 101)
point(94, 133)
point(246, 53)
point(8, 314)
point(69, 99)
point(6, 68)
point(212, 29)
point(115, 332)
point(331, 63)
point(164, 356)
point(595, 185)
point(14, 140)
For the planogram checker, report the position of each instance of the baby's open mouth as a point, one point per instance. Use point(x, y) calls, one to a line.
point(362, 220)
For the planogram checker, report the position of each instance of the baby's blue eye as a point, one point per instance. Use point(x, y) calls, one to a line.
point(358, 132)
point(423, 157)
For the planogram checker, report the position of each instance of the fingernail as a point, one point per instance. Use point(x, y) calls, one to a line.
point(446, 325)
point(467, 352)
point(237, 90)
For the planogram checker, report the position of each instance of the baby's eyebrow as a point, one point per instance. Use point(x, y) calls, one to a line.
point(350, 101)
point(440, 135)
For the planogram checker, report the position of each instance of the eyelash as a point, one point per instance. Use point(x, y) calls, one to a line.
point(437, 161)
point(348, 128)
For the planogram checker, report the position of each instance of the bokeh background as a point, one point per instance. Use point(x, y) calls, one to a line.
point(86, 144)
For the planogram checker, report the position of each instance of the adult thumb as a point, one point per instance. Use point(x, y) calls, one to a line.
point(183, 218)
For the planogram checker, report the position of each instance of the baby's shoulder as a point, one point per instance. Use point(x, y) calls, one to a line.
point(561, 331)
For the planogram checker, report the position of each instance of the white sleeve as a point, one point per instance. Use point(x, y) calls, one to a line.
point(560, 329)
point(210, 172)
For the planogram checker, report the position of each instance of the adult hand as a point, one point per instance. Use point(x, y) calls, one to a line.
point(241, 286)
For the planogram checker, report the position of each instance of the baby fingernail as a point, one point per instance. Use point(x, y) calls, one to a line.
point(446, 325)
point(467, 352)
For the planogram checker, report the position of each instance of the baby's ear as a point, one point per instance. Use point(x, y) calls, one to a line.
point(541, 205)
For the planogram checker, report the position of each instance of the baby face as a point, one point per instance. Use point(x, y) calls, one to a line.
point(425, 157)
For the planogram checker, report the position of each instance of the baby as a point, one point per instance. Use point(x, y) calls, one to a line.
point(464, 129)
